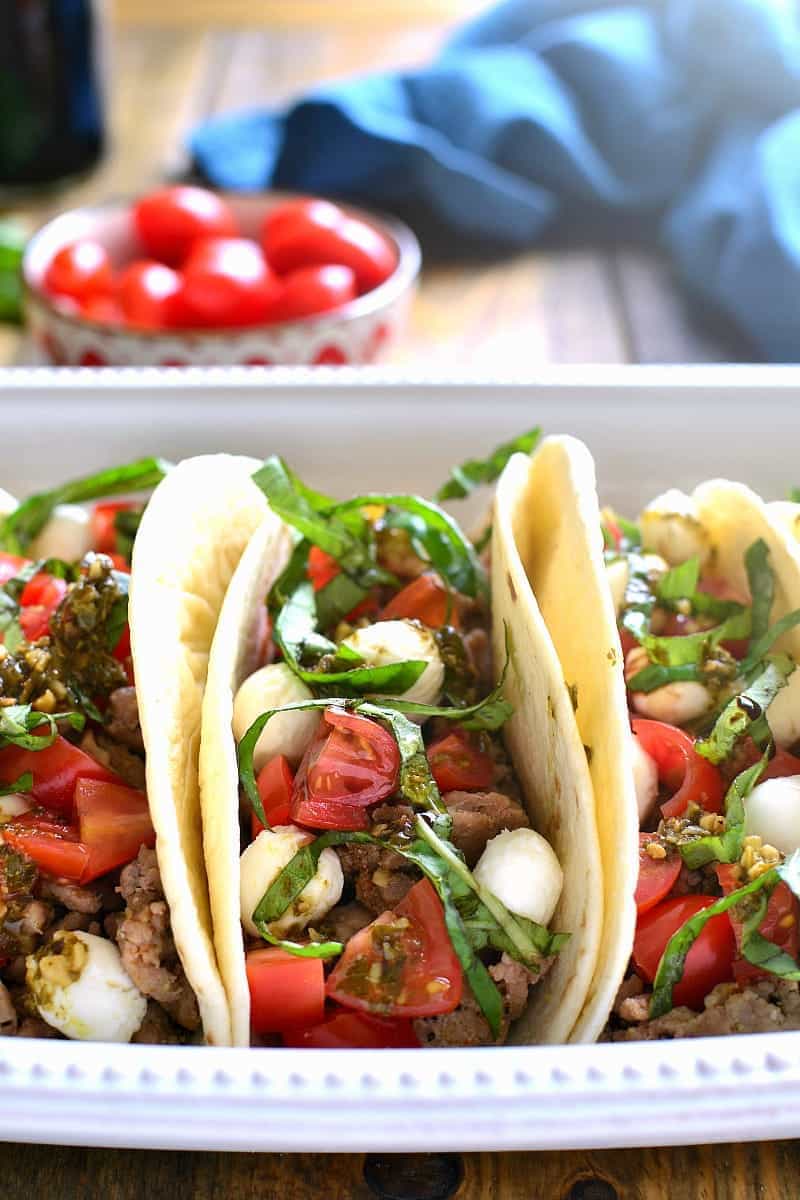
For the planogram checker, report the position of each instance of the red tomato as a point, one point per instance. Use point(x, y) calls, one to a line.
point(103, 309)
point(55, 849)
point(11, 565)
point(148, 295)
point(680, 768)
point(113, 822)
point(56, 769)
point(274, 785)
point(425, 599)
point(310, 290)
point(656, 876)
point(456, 763)
point(354, 1030)
point(710, 960)
point(322, 568)
point(43, 589)
point(226, 282)
point(286, 992)
point(627, 641)
point(308, 241)
point(34, 622)
point(780, 765)
point(344, 770)
point(103, 516)
point(780, 924)
point(317, 212)
point(612, 529)
point(172, 219)
point(418, 973)
point(79, 270)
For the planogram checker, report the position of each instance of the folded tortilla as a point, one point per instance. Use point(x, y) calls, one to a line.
point(192, 535)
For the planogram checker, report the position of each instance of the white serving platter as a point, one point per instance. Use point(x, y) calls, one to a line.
point(649, 428)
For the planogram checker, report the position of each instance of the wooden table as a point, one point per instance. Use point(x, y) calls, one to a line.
point(570, 305)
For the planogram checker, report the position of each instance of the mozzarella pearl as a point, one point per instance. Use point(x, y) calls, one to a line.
point(772, 810)
point(401, 641)
point(645, 781)
point(262, 863)
point(80, 987)
point(670, 527)
point(521, 869)
point(67, 535)
point(285, 733)
point(14, 806)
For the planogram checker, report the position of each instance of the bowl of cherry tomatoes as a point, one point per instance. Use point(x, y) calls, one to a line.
point(186, 277)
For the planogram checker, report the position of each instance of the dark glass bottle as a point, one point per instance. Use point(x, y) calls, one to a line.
point(51, 110)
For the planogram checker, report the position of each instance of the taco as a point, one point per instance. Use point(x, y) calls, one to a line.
point(106, 618)
point(696, 687)
point(382, 871)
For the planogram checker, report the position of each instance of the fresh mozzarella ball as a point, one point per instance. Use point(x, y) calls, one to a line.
point(285, 733)
point(262, 863)
point(80, 987)
point(400, 641)
point(67, 535)
point(645, 780)
point(521, 869)
point(13, 806)
point(772, 810)
point(7, 503)
point(674, 703)
point(670, 527)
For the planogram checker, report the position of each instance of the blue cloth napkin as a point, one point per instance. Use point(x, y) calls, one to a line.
point(579, 118)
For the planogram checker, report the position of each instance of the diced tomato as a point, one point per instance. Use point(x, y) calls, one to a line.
point(425, 599)
point(346, 768)
point(322, 568)
point(356, 1031)
point(680, 768)
point(55, 849)
point(781, 924)
point(403, 964)
point(781, 765)
point(103, 517)
point(456, 763)
point(11, 565)
point(710, 960)
point(286, 992)
point(113, 822)
point(56, 769)
point(274, 785)
point(43, 589)
point(656, 875)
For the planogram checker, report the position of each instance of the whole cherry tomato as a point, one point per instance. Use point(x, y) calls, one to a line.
point(226, 282)
point(79, 270)
point(309, 239)
point(147, 294)
point(320, 212)
point(172, 219)
point(310, 290)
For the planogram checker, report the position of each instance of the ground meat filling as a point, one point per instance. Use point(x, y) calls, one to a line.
point(145, 942)
point(763, 1007)
point(466, 1025)
point(122, 723)
point(480, 816)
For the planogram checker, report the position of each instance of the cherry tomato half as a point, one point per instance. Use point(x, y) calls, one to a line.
point(710, 960)
point(345, 769)
point(274, 784)
point(689, 776)
point(425, 599)
point(172, 219)
point(103, 523)
point(457, 764)
point(780, 765)
point(403, 964)
point(79, 270)
point(113, 822)
point(39, 599)
point(148, 294)
point(226, 282)
point(656, 875)
point(781, 924)
point(356, 1031)
point(286, 992)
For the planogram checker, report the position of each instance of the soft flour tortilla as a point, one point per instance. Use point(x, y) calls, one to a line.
point(193, 532)
point(550, 762)
point(234, 656)
point(735, 517)
point(555, 519)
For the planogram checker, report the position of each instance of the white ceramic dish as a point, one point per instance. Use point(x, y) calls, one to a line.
point(648, 429)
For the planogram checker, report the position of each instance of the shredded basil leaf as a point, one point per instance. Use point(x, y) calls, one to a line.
point(679, 582)
point(726, 847)
point(18, 721)
point(476, 471)
point(741, 714)
point(20, 527)
point(24, 783)
point(126, 527)
point(300, 949)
